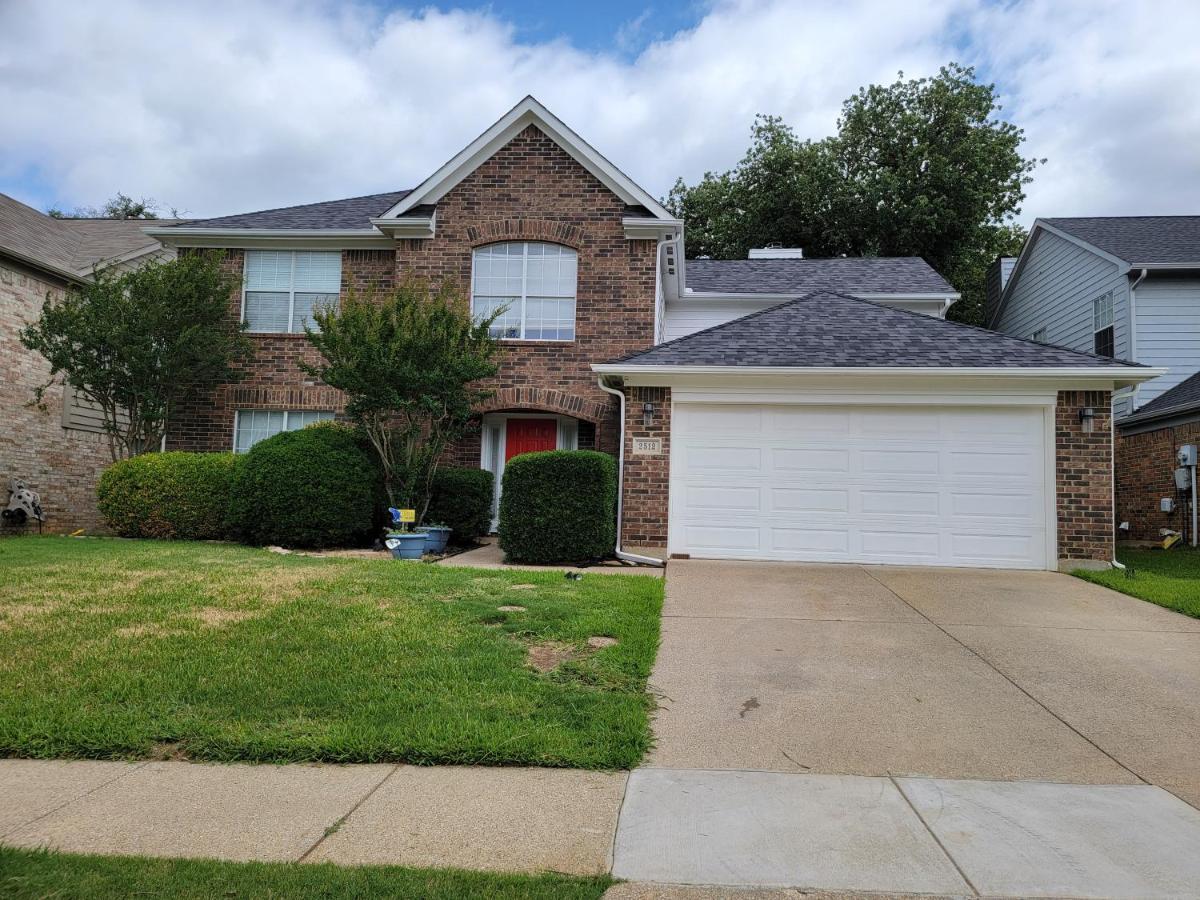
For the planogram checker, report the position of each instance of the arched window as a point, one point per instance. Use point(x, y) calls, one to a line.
point(533, 282)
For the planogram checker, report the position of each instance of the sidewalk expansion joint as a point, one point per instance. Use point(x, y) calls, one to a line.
point(332, 829)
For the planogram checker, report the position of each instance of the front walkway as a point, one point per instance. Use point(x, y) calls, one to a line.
point(488, 555)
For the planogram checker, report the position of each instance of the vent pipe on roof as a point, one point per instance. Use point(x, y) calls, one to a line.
point(774, 251)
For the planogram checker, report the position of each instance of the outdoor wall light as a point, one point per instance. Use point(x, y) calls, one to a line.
point(1087, 418)
point(647, 414)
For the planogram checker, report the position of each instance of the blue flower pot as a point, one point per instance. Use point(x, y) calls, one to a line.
point(436, 537)
point(406, 544)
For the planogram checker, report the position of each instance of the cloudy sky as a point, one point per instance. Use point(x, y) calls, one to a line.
point(223, 107)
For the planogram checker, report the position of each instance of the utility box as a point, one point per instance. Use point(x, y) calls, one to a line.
point(1167, 505)
point(1186, 455)
point(1183, 478)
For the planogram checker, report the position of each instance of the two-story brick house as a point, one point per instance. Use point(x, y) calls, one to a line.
point(823, 411)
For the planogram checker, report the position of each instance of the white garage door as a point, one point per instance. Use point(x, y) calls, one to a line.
point(952, 486)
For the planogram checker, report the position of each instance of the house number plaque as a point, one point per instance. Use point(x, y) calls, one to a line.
point(647, 446)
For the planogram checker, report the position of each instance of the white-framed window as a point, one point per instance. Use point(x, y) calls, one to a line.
point(1103, 334)
point(253, 425)
point(535, 285)
point(282, 286)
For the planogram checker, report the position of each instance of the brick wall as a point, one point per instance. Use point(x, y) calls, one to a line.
point(1145, 465)
point(273, 379)
point(529, 190)
point(1085, 483)
point(647, 478)
point(61, 464)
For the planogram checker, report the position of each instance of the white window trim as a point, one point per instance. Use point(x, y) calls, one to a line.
point(525, 290)
point(237, 417)
point(291, 287)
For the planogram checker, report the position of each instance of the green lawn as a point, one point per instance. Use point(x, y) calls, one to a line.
point(38, 874)
point(1170, 578)
point(132, 649)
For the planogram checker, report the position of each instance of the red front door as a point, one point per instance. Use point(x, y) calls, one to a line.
point(528, 435)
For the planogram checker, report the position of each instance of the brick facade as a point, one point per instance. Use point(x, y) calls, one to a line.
point(1145, 465)
point(61, 464)
point(647, 478)
point(1084, 476)
point(530, 189)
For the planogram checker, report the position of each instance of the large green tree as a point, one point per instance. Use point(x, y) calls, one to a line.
point(410, 363)
point(140, 343)
point(920, 167)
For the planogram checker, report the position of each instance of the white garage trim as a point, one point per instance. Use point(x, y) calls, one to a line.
point(1030, 421)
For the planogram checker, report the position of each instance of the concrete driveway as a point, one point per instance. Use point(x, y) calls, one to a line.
point(948, 673)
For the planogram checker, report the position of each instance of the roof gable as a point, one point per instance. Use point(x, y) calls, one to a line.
point(528, 112)
point(825, 329)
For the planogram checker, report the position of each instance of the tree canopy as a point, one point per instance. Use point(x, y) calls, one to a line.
point(118, 207)
point(409, 362)
point(140, 343)
point(920, 167)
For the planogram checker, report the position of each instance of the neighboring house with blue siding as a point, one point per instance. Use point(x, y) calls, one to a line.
point(1121, 286)
point(1126, 287)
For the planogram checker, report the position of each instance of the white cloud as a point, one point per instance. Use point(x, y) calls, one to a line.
point(226, 107)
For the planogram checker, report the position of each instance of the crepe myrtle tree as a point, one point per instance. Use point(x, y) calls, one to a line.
point(409, 362)
point(140, 343)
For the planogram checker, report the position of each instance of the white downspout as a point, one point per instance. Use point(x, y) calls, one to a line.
point(660, 296)
point(621, 554)
point(1133, 351)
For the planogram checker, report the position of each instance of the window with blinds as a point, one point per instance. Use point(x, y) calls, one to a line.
point(282, 287)
point(254, 425)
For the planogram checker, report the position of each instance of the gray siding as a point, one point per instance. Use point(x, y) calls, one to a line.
point(1055, 290)
point(1168, 331)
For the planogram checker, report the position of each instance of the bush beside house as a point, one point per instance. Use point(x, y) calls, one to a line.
point(182, 496)
point(462, 499)
point(315, 487)
point(559, 506)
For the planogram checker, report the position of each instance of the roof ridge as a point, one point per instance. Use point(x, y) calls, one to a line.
point(254, 212)
point(983, 330)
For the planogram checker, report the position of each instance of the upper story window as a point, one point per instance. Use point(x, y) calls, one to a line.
point(535, 283)
point(283, 286)
point(1103, 339)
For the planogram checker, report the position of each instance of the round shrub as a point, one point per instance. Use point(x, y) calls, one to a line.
point(559, 506)
point(315, 487)
point(462, 499)
point(181, 496)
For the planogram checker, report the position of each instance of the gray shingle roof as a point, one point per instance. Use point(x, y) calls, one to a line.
point(353, 212)
point(851, 274)
point(1182, 398)
point(73, 246)
point(1148, 240)
point(826, 329)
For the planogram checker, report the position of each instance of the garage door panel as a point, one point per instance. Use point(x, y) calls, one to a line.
point(730, 419)
point(901, 462)
point(724, 500)
point(907, 503)
point(815, 459)
point(809, 500)
point(935, 486)
point(810, 540)
point(723, 459)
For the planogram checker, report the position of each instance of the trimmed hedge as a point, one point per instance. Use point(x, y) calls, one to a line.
point(183, 496)
point(316, 487)
point(462, 499)
point(559, 506)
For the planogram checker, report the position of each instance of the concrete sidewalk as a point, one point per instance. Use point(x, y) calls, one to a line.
point(653, 827)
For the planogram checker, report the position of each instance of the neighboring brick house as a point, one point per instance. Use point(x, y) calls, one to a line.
point(59, 448)
point(851, 423)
